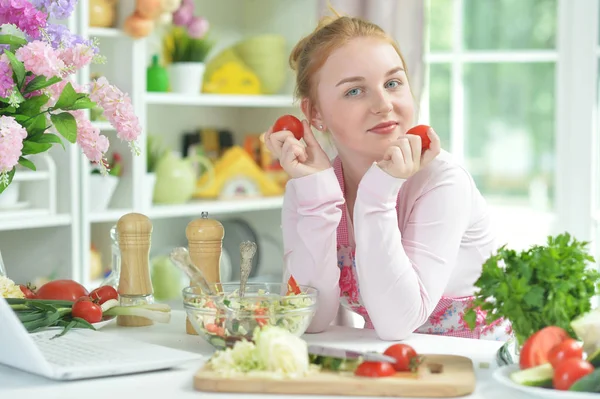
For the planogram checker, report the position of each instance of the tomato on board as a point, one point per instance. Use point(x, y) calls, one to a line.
point(293, 287)
point(567, 349)
point(375, 369)
point(64, 290)
point(103, 294)
point(567, 372)
point(87, 310)
point(290, 123)
point(28, 291)
point(421, 131)
point(405, 355)
point(537, 347)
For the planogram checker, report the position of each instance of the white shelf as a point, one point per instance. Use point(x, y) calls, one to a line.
point(215, 207)
point(103, 125)
point(31, 176)
point(220, 100)
point(33, 219)
point(105, 32)
point(110, 215)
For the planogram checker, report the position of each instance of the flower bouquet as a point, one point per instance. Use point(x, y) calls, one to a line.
point(40, 103)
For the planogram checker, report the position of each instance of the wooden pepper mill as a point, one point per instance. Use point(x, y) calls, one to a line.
point(135, 285)
point(205, 241)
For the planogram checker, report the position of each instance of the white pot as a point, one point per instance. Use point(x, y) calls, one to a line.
point(150, 181)
point(101, 190)
point(10, 195)
point(186, 77)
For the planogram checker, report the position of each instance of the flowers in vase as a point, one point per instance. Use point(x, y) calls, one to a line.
point(188, 39)
point(40, 103)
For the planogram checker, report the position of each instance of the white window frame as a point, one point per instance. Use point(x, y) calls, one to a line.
point(576, 56)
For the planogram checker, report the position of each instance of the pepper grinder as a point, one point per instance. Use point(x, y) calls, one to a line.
point(205, 240)
point(135, 287)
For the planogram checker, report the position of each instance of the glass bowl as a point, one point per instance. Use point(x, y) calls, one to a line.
point(224, 318)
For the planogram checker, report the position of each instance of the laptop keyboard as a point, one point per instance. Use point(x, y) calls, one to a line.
point(74, 350)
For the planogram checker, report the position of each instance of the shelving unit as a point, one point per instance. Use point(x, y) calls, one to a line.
point(58, 245)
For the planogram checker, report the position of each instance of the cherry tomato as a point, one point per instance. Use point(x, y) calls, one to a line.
point(64, 290)
point(87, 310)
point(406, 357)
point(103, 294)
point(375, 369)
point(537, 347)
point(421, 131)
point(567, 349)
point(291, 123)
point(293, 287)
point(570, 370)
point(28, 290)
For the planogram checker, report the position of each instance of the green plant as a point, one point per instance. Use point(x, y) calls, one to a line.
point(179, 46)
point(544, 285)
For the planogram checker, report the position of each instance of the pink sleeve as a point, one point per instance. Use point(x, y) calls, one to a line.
point(402, 277)
point(310, 218)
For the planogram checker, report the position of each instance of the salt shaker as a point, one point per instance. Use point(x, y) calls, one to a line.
point(205, 242)
point(135, 286)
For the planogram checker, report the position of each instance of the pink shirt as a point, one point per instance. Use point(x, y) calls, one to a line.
point(416, 243)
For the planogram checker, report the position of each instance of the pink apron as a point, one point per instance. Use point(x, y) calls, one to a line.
point(446, 319)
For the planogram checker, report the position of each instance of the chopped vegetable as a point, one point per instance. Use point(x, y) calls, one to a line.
point(8, 289)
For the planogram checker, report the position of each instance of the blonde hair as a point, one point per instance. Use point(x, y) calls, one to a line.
point(332, 32)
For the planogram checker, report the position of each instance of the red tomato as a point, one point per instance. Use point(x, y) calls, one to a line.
point(421, 131)
point(103, 294)
point(375, 369)
point(290, 123)
point(406, 357)
point(537, 347)
point(567, 349)
point(65, 290)
point(28, 291)
point(87, 310)
point(293, 287)
point(570, 370)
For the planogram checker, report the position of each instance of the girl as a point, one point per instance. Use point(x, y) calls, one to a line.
point(395, 235)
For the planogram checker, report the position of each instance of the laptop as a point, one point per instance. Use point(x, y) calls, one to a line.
point(80, 353)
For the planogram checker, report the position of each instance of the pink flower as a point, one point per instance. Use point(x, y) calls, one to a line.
point(118, 109)
point(24, 15)
point(92, 143)
point(198, 27)
point(6, 81)
point(75, 58)
point(12, 135)
point(41, 59)
point(184, 13)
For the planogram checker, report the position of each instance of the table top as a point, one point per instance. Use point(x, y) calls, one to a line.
point(178, 382)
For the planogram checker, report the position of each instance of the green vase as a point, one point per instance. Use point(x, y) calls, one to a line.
point(157, 78)
point(175, 179)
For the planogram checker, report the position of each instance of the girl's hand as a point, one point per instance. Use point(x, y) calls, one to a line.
point(404, 158)
point(297, 159)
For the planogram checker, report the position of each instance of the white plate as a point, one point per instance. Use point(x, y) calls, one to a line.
point(502, 375)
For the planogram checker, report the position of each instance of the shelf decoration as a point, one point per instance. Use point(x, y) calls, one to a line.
point(38, 95)
point(148, 15)
point(186, 47)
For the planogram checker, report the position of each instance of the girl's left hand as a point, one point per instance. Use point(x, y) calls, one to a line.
point(404, 158)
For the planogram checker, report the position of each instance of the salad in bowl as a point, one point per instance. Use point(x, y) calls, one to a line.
point(224, 318)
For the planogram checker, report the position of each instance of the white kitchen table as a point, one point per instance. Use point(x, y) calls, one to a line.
point(177, 383)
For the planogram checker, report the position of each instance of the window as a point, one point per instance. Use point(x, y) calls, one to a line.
point(495, 76)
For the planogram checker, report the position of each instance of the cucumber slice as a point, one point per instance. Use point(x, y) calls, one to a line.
point(539, 376)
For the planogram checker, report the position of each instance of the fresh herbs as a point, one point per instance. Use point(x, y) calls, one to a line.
point(538, 287)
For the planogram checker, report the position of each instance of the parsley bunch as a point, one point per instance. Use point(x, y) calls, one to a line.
point(543, 286)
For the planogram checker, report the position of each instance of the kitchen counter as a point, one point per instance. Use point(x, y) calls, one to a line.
point(177, 383)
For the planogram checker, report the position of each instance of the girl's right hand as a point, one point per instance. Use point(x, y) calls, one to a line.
point(295, 158)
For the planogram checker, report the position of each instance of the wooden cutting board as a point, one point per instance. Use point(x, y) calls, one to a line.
point(457, 378)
